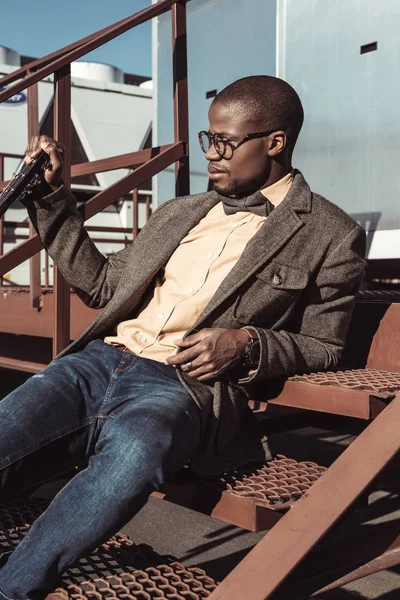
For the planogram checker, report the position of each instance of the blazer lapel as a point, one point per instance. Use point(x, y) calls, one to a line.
point(156, 247)
point(279, 227)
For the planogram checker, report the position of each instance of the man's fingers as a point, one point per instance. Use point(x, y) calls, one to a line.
point(204, 373)
point(52, 150)
point(191, 366)
point(38, 143)
point(189, 341)
point(182, 358)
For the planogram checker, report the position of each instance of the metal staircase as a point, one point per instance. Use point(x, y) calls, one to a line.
point(35, 317)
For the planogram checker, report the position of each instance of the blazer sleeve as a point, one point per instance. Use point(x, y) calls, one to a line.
point(322, 317)
point(60, 227)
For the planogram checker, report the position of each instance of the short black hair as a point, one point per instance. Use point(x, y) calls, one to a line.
point(270, 102)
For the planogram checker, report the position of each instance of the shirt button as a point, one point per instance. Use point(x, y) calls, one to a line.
point(190, 290)
point(160, 315)
point(210, 254)
point(142, 339)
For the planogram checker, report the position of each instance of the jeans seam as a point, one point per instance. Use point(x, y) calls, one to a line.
point(114, 376)
point(126, 367)
point(46, 441)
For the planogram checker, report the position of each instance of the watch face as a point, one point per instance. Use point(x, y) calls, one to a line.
point(252, 353)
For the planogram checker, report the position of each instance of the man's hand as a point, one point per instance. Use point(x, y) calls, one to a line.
point(53, 174)
point(210, 352)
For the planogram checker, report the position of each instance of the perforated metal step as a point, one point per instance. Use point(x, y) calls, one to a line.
point(275, 485)
point(117, 570)
point(383, 384)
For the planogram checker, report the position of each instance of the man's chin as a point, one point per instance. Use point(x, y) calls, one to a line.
point(222, 191)
point(227, 191)
point(232, 192)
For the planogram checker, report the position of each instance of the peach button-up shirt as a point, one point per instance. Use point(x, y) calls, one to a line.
point(191, 277)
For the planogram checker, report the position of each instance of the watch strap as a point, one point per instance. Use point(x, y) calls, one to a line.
point(253, 334)
point(252, 347)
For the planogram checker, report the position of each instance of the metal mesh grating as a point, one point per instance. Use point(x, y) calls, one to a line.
point(378, 296)
point(383, 384)
point(276, 484)
point(15, 519)
point(117, 570)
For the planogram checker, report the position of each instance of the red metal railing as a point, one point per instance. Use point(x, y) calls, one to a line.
point(146, 163)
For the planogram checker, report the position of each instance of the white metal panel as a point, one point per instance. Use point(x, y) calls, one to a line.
point(348, 149)
point(110, 123)
point(14, 122)
point(227, 39)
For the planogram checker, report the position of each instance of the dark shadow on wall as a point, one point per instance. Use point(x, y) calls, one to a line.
point(369, 221)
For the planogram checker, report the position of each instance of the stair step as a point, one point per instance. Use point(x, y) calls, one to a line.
point(116, 569)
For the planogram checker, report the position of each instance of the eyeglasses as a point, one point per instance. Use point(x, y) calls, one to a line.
point(221, 142)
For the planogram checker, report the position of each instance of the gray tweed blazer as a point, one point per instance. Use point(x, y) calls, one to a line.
point(294, 284)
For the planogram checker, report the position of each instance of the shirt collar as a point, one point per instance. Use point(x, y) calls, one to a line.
point(278, 190)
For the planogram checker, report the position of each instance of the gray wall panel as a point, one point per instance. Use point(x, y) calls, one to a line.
point(227, 39)
point(349, 147)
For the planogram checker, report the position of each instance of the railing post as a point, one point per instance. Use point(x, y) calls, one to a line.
point(62, 133)
point(181, 110)
point(148, 207)
point(1, 218)
point(135, 213)
point(34, 261)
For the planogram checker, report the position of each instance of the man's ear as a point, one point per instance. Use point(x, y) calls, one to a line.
point(277, 143)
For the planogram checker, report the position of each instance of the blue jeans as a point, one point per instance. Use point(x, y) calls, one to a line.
point(128, 420)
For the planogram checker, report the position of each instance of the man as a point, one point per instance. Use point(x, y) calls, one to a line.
point(251, 281)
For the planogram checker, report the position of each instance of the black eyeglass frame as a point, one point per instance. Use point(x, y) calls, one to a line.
point(228, 140)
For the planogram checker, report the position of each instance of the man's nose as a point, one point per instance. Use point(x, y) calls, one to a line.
point(212, 154)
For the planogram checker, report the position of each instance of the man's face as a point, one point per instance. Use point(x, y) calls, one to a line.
point(243, 170)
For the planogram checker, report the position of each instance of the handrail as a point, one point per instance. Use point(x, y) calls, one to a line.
point(122, 161)
point(59, 63)
point(93, 43)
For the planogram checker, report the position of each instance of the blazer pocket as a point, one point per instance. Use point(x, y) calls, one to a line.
point(270, 293)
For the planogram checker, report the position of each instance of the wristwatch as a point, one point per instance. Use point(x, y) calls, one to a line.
point(251, 356)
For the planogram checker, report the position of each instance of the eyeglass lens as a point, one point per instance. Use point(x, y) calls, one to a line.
point(205, 142)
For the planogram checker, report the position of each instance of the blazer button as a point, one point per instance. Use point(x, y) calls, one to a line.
point(276, 279)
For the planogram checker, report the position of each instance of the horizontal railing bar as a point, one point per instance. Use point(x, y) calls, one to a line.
point(95, 228)
point(23, 251)
point(21, 365)
point(10, 155)
point(133, 180)
point(19, 254)
point(122, 161)
point(94, 42)
point(11, 237)
point(24, 289)
point(45, 60)
point(8, 237)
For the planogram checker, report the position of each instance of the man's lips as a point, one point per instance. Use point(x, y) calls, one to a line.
point(215, 173)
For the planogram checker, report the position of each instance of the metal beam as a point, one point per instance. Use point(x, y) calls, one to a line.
point(93, 42)
point(21, 365)
point(62, 133)
point(34, 261)
point(123, 161)
point(181, 106)
point(265, 568)
point(122, 187)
